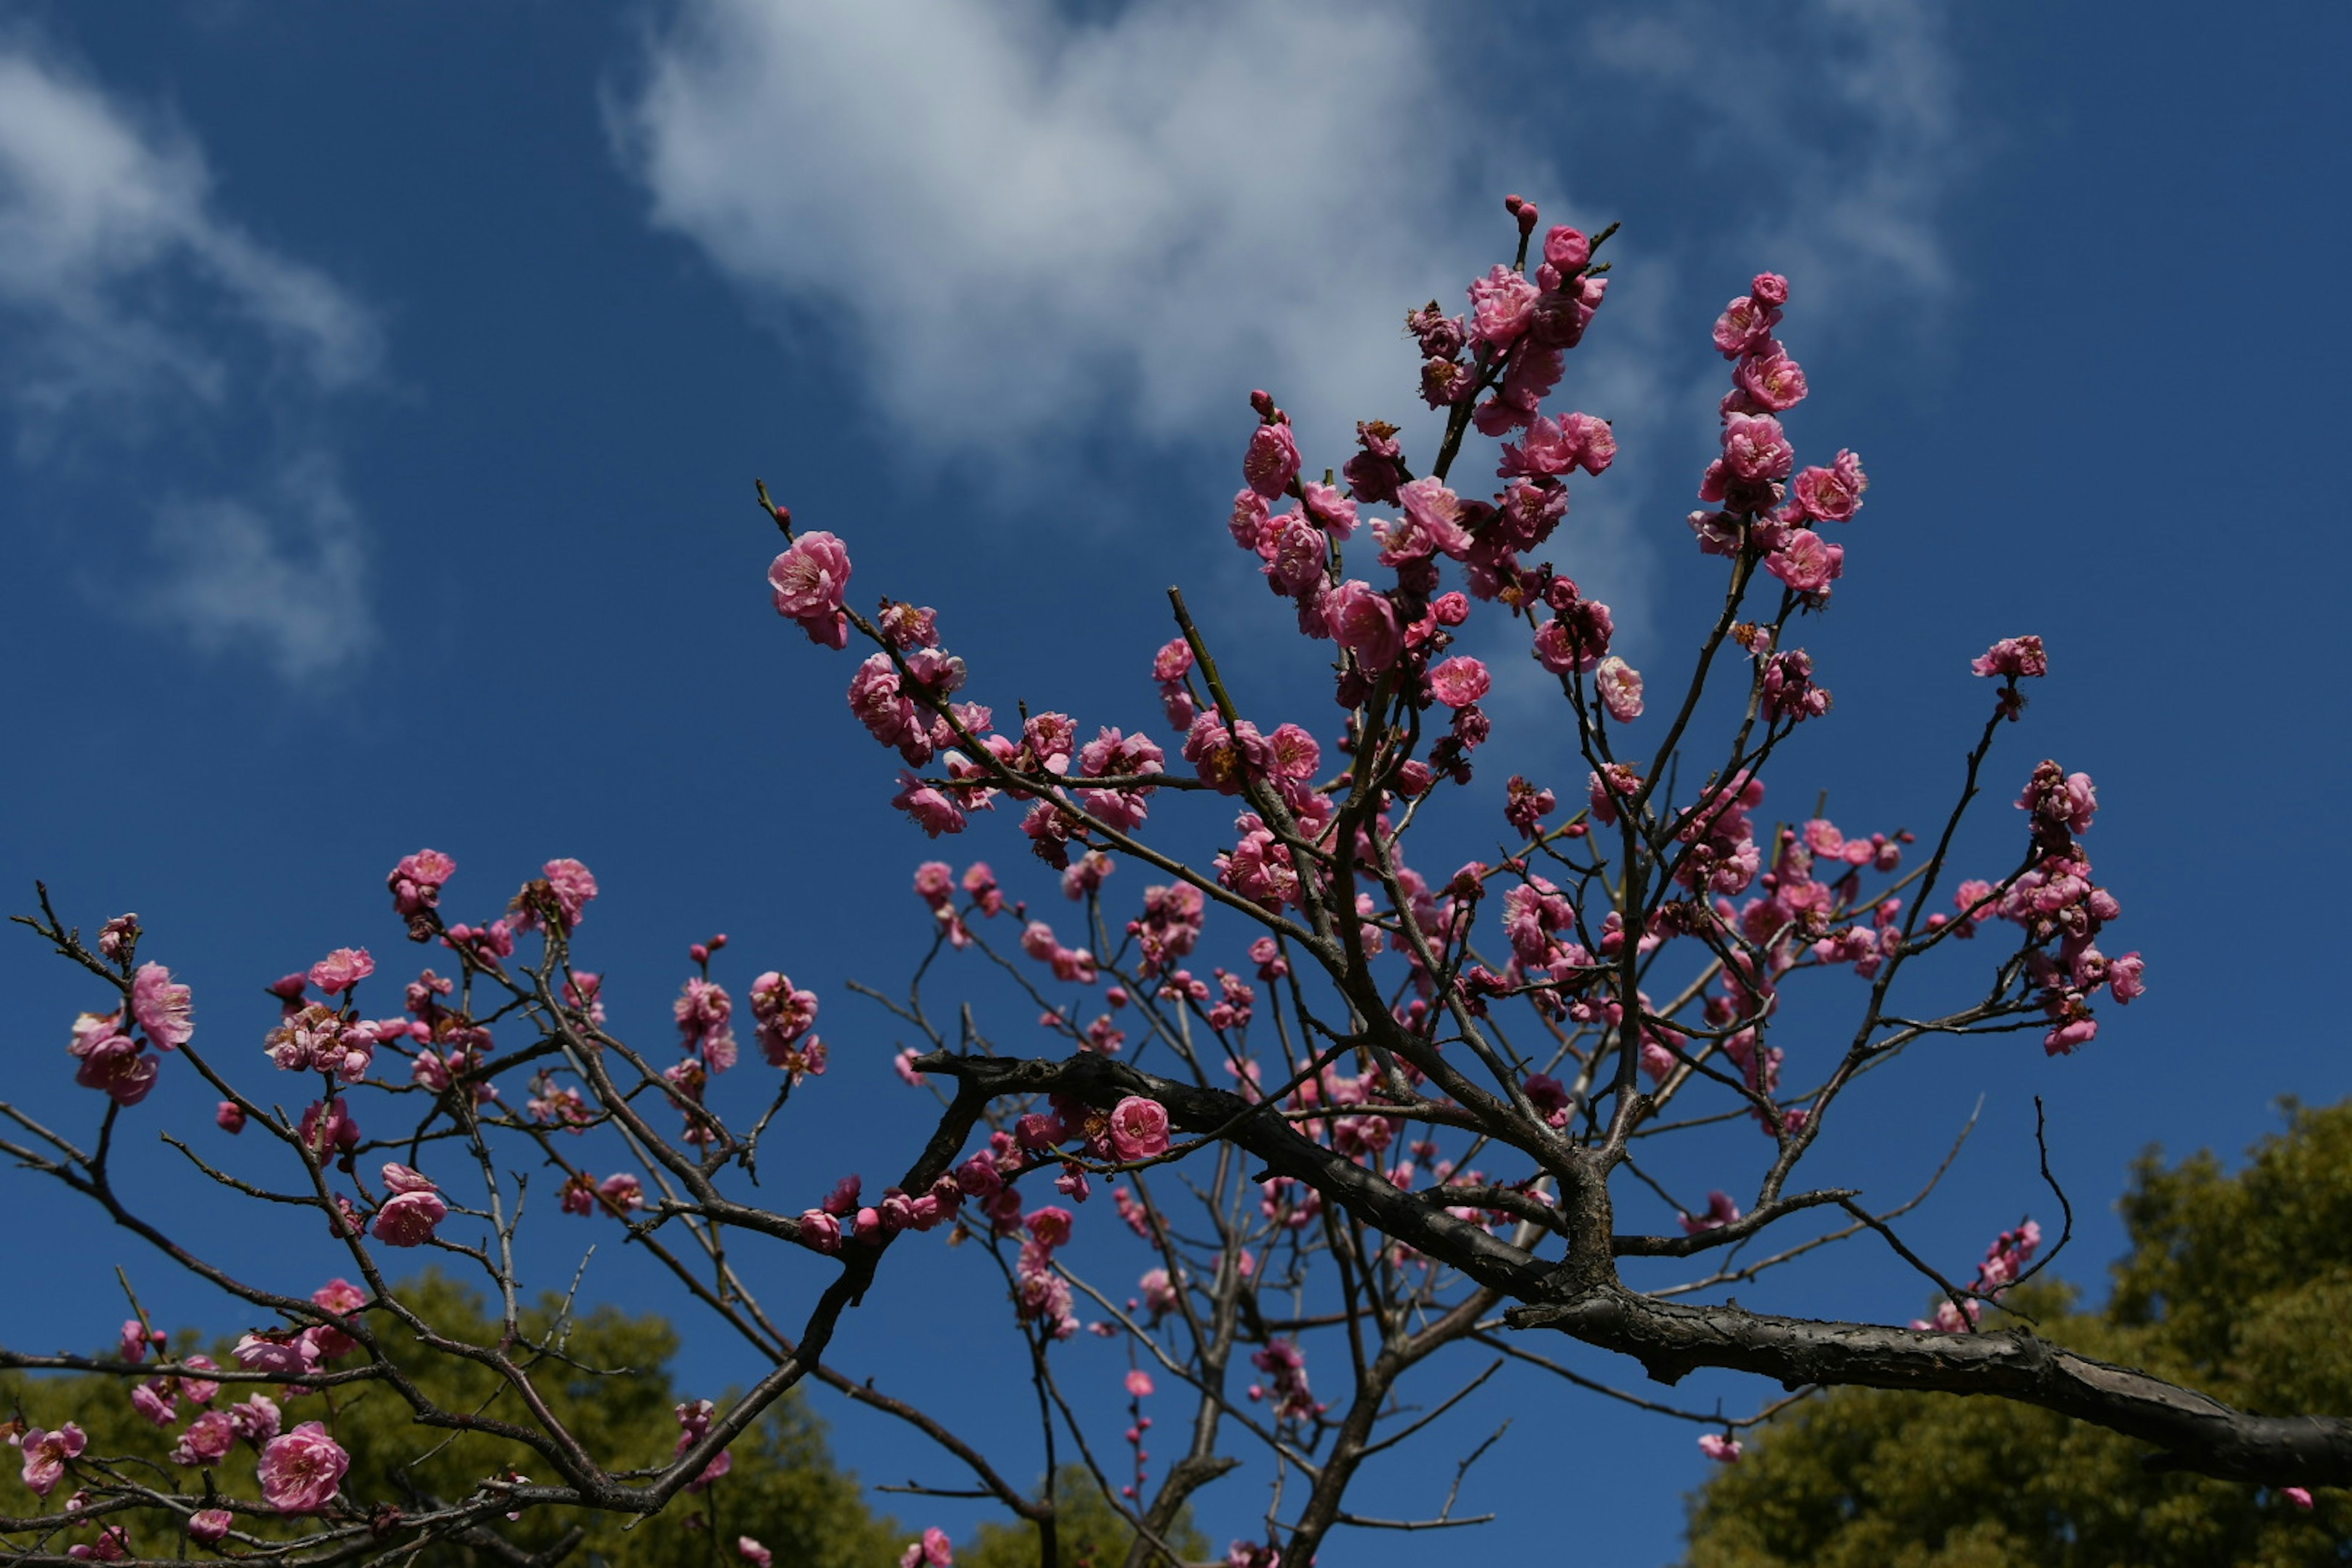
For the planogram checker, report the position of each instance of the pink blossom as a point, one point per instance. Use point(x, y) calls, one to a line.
point(199, 1390)
point(1832, 494)
point(578, 1195)
point(820, 1230)
point(46, 1454)
point(1436, 516)
point(161, 1007)
point(909, 626)
point(2299, 1496)
point(621, 1190)
point(115, 1064)
point(1294, 551)
point(112, 1545)
point(341, 969)
point(1772, 380)
point(415, 883)
point(408, 1219)
point(2060, 797)
point(1138, 1128)
point(809, 580)
point(1364, 622)
point(2124, 977)
point(1271, 461)
point(255, 1418)
point(752, 1552)
point(1722, 1450)
point(1806, 561)
point(1247, 524)
point(156, 1405)
point(301, 1471)
point(1721, 1211)
point(1500, 304)
point(1745, 325)
point(1328, 510)
point(1566, 249)
point(1138, 1383)
point(209, 1526)
point(118, 936)
point(1754, 447)
point(1051, 1226)
point(2013, 655)
point(573, 886)
point(208, 1440)
point(1788, 690)
point(1460, 681)
point(1620, 685)
point(932, 812)
point(280, 1355)
point(342, 1298)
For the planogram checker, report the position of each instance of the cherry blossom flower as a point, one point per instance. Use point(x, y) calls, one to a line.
point(1721, 1449)
point(117, 1065)
point(2013, 655)
point(415, 884)
point(1620, 685)
point(341, 969)
point(1832, 494)
point(408, 1217)
point(1500, 305)
point(46, 1454)
point(279, 1354)
point(301, 1471)
point(570, 883)
point(208, 1440)
point(1721, 1211)
point(752, 1552)
point(161, 1007)
point(1138, 1128)
point(1363, 621)
point(118, 936)
point(210, 1526)
point(1271, 461)
point(809, 580)
point(328, 1125)
point(1460, 681)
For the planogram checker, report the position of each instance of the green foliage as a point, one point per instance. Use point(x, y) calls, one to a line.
point(618, 1398)
point(2240, 1286)
point(1087, 1533)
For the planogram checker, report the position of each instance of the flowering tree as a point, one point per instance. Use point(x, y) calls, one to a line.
point(1396, 1127)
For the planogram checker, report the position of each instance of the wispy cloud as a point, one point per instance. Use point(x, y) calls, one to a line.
point(132, 310)
point(1004, 225)
point(1021, 223)
point(283, 570)
point(1842, 118)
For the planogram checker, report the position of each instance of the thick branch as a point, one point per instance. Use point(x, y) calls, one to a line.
point(2194, 1432)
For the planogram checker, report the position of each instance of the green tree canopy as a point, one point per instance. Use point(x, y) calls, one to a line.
point(2240, 1286)
point(1087, 1533)
point(614, 1390)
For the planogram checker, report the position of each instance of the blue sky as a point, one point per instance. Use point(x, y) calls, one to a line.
point(383, 393)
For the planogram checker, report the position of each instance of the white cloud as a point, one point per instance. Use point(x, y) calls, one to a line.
point(129, 307)
point(1007, 221)
point(1843, 113)
point(1004, 227)
point(1022, 223)
point(283, 572)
